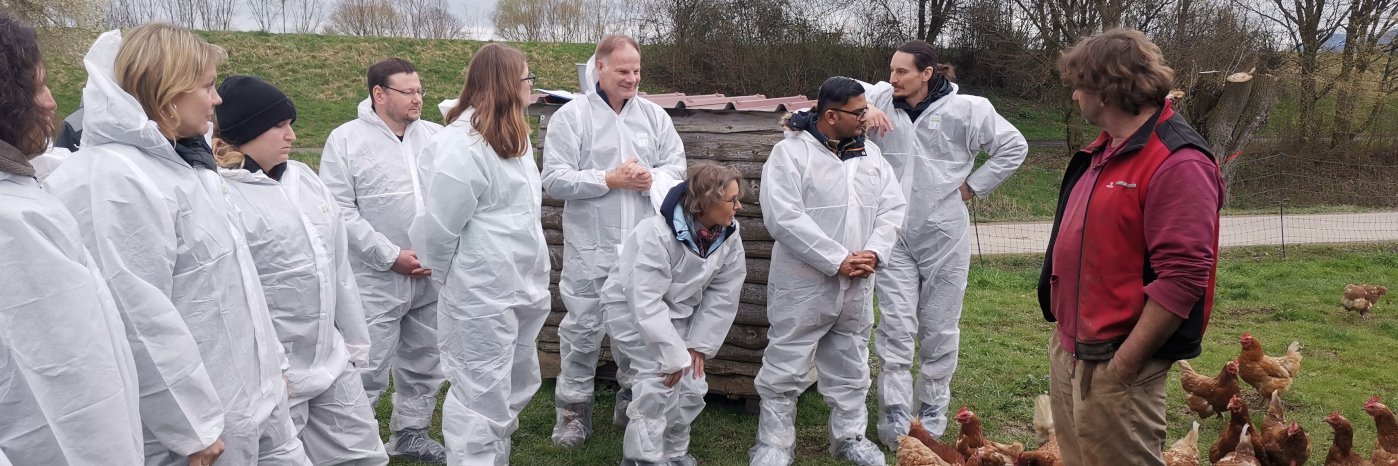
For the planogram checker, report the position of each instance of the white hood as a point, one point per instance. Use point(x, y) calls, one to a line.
point(112, 115)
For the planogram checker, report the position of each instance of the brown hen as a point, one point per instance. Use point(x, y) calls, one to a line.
point(1185, 451)
point(1268, 374)
point(1208, 396)
point(1342, 448)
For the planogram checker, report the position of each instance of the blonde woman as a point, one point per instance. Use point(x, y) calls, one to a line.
point(298, 240)
point(480, 233)
point(152, 210)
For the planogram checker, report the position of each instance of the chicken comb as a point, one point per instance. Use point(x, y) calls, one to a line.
point(1372, 401)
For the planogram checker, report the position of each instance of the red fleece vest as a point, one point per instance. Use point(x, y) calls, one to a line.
point(1115, 264)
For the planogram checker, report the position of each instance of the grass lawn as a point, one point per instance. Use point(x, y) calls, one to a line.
point(1003, 364)
point(324, 74)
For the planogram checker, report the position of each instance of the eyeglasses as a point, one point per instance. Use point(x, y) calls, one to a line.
point(734, 202)
point(858, 114)
point(529, 78)
point(420, 92)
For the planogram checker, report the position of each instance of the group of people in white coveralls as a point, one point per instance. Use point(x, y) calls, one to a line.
point(181, 293)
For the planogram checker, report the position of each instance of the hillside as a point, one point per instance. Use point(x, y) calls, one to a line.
point(324, 75)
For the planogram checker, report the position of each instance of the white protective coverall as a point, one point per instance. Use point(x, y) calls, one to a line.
point(923, 282)
point(295, 231)
point(586, 139)
point(166, 240)
point(374, 177)
point(820, 210)
point(481, 234)
point(661, 299)
point(68, 388)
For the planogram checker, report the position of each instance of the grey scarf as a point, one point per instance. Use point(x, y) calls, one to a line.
point(13, 161)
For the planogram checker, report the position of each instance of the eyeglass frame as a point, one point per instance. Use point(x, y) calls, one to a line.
point(420, 92)
point(859, 114)
point(529, 78)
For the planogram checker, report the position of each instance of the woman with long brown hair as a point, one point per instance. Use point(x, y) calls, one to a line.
point(152, 210)
point(68, 383)
point(480, 233)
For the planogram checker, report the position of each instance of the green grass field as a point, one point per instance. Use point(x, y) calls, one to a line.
point(1003, 364)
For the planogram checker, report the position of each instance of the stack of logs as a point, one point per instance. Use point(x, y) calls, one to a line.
point(742, 140)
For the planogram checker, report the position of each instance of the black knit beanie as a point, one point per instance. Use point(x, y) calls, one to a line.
point(250, 107)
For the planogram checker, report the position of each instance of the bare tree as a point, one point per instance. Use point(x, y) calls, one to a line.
point(1369, 23)
point(305, 15)
point(180, 12)
point(365, 18)
point(1309, 25)
point(554, 20)
point(265, 13)
point(431, 19)
point(216, 15)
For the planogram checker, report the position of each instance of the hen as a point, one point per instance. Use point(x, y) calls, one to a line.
point(1360, 298)
point(1242, 455)
point(1047, 454)
point(1342, 448)
point(1386, 448)
point(1237, 421)
point(1282, 443)
point(1185, 451)
point(997, 454)
point(972, 441)
point(1208, 396)
point(1268, 374)
point(911, 452)
point(971, 436)
point(947, 453)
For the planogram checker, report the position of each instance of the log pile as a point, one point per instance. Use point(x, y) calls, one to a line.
point(738, 139)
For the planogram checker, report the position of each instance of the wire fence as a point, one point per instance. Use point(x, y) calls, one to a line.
point(1282, 199)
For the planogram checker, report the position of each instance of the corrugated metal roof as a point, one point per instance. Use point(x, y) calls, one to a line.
point(680, 100)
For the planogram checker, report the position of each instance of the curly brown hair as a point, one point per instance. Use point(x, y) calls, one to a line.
point(23, 123)
point(706, 181)
point(1122, 66)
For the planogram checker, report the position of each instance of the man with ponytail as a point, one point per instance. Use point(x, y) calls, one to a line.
point(930, 133)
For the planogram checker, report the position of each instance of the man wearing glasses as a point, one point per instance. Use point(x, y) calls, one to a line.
point(602, 154)
point(834, 206)
point(370, 164)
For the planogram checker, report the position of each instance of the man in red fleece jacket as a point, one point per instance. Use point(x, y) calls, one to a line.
point(1129, 271)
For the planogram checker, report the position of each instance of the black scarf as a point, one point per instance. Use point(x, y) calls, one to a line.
point(274, 173)
point(195, 152)
point(937, 88)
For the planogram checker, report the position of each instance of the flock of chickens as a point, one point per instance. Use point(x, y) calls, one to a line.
point(1278, 443)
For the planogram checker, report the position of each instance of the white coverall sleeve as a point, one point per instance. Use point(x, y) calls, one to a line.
point(1007, 149)
point(719, 305)
point(349, 311)
point(454, 183)
point(878, 95)
point(889, 219)
point(671, 159)
point(134, 246)
point(562, 179)
point(372, 247)
point(784, 214)
point(645, 295)
point(56, 338)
